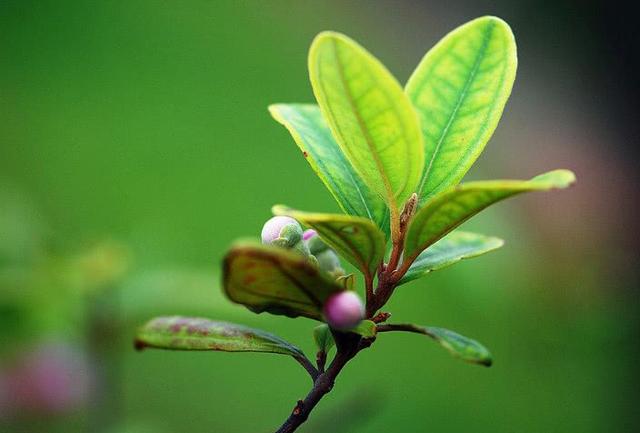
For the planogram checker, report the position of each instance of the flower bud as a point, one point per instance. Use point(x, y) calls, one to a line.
point(308, 234)
point(282, 231)
point(329, 261)
point(343, 310)
point(313, 241)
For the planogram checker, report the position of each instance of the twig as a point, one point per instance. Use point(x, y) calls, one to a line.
point(348, 346)
point(405, 327)
point(307, 365)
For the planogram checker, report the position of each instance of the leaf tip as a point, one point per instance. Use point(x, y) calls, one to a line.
point(560, 178)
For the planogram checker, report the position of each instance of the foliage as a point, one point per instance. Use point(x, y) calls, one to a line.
point(393, 159)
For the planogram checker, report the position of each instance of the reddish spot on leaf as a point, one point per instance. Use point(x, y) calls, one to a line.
point(248, 279)
point(305, 153)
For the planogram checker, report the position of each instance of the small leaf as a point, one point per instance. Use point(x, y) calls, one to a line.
point(369, 115)
point(192, 333)
point(458, 345)
point(451, 249)
point(459, 90)
point(323, 337)
point(313, 136)
point(346, 281)
point(366, 329)
point(450, 208)
point(279, 281)
point(356, 239)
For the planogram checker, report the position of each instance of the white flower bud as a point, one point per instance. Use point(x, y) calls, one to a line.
point(282, 228)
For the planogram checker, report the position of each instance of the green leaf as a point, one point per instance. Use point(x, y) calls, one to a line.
point(279, 281)
point(366, 329)
point(193, 333)
point(313, 137)
point(459, 346)
point(460, 89)
point(451, 249)
point(356, 239)
point(451, 208)
point(370, 116)
point(323, 337)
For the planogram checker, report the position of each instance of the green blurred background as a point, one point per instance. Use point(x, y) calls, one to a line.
point(135, 145)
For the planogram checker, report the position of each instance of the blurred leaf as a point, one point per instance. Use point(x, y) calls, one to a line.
point(313, 137)
point(279, 281)
point(451, 249)
point(193, 333)
point(102, 266)
point(458, 345)
point(459, 90)
point(450, 208)
point(369, 114)
point(323, 337)
point(189, 291)
point(356, 239)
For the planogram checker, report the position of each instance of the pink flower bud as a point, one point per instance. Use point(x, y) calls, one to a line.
point(308, 234)
point(343, 310)
point(272, 228)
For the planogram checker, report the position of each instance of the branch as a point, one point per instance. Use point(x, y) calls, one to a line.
point(348, 346)
point(390, 327)
point(307, 365)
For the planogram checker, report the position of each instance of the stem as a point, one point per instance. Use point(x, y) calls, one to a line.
point(348, 346)
point(389, 327)
point(368, 282)
point(307, 365)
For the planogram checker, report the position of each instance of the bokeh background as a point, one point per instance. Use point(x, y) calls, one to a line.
point(135, 146)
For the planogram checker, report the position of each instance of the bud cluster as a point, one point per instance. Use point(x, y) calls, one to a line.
point(343, 310)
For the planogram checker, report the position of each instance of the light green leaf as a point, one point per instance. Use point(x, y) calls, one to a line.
point(323, 337)
point(459, 346)
point(370, 116)
point(451, 249)
point(366, 329)
point(312, 135)
point(450, 208)
point(279, 281)
point(356, 239)
point(459, 90)
point(194, 333)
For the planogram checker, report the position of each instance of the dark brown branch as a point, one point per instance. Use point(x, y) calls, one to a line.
point(321, 360)
point(308, 366)
point(404, 327)
point(348, 346)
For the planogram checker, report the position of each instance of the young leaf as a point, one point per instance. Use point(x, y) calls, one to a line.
point(459, 90)
point(451, 208)
point(356, 239)
point(272, 279)
point(369, 115)
point(458, 345)
point(323, 337)
point(192, 333)
point(366, 329)
point(451, 249)
point(313, 137)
